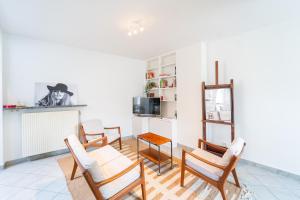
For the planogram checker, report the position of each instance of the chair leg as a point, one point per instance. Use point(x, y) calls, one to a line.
point(182, 177)
point(223, 193)
point(74, 170)
point(182, 169)
point(143, 191)
point(120, 143)
point(235, 178)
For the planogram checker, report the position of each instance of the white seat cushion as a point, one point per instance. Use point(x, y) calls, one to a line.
point(114, 167)
point(208, 170)
point(104, 154)
point(110, 162)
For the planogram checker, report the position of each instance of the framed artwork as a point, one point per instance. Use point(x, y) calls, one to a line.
point(55, 94)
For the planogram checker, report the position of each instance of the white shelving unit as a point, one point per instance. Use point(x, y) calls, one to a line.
point(161, 74)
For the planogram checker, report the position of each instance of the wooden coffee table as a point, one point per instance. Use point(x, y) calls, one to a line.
point(152, 154)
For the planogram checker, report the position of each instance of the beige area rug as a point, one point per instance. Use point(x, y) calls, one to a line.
point(165, 186)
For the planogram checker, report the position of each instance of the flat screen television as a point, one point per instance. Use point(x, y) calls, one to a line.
point(146, 106)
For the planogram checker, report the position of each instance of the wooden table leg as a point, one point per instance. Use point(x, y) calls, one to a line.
point(137, 147)
point(158, 160)
point(171, 155)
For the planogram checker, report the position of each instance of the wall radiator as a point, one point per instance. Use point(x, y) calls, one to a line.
point(44, 132)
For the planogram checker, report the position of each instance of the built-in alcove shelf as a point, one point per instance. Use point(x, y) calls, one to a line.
point(43, 107)
point(160, 82)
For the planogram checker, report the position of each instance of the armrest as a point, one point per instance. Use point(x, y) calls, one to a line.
point(112, 128)
point(205, 161)
point(95, 142)
point(89, 134)
point(218, 147)
point(128, 169)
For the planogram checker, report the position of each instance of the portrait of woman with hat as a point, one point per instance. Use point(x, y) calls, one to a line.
point(58, 96)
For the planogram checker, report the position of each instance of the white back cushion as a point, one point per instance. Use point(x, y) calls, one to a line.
point(234, 149)
point(236, 146)
point(81, 154)
point(93, 126)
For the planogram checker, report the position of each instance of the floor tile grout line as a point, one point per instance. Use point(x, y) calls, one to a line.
point(272, 193)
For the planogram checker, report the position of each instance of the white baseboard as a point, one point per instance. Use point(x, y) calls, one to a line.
point(274, 170)
point(36, 157)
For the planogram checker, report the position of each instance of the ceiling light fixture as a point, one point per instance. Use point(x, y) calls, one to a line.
point(135, 27)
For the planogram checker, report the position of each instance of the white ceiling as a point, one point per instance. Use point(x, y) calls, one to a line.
point(169, 24)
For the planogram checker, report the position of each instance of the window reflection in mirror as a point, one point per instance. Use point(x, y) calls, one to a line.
point(218, 105)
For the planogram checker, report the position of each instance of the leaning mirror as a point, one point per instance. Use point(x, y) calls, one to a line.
point(217, 104)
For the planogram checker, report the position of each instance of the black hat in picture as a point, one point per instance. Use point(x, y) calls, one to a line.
point(60, 87)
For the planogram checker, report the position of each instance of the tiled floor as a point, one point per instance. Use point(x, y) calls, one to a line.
point(43, 179)
point(268, 185)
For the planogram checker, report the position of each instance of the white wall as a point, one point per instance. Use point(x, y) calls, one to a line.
point(1, 113)
point(105, 82)
point(191, 71)
point(265, 66)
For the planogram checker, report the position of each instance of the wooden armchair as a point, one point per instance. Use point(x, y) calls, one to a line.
point(92, 129)
point(109, 174)
point(211, 168)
